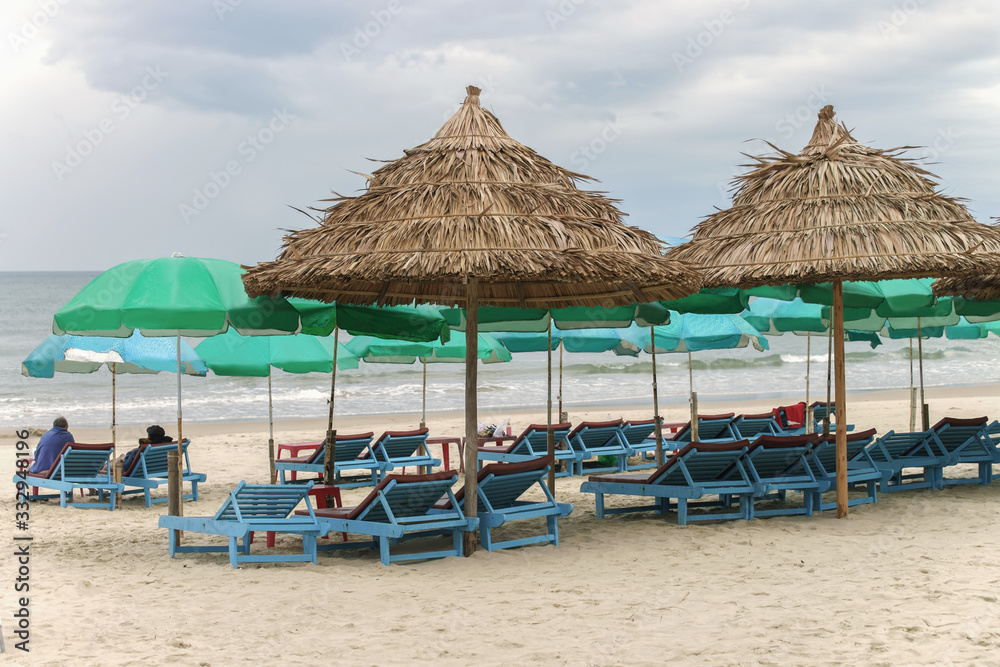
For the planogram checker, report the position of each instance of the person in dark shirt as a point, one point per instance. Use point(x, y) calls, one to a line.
point(50, 444)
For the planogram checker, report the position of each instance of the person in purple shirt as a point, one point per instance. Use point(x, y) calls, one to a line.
point(50, 444)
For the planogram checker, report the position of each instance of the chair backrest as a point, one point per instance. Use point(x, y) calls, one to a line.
point(748, 427)
point(893, 445)
point(821, 410)
point(702, 461)
point(595, 434)
point(152, 460)
point(825, 448)
point(405, 496)
point(952, 433)
point(534, 440)
point(504, 483)
point(350, 446)
point(248, 502)
point(398, 444)
point(635, 432)
point(779, 457)
point(78, 461)
point(710, 427)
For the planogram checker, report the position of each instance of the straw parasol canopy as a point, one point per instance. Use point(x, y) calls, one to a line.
point(978, 287)
point(472, 201)
point(838, 210)
point(473, 217)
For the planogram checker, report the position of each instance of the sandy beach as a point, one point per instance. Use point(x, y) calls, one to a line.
point(914, 579)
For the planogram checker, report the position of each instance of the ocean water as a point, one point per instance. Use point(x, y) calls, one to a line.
point(28, 301)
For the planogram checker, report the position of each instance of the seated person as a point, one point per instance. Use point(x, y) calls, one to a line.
point(154, 436)
point(50, 444)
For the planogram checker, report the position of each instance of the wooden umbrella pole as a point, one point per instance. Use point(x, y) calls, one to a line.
point(560, 381)
point(924, 417)
point(423, 403)
point(550, 440)
point(913, 396)
point(693, 400)
point(270, 430)
point(471, 416)
point(330, 453)
point(808, 417)
point(174, 471)
point(829, 373)
point(656, 403)
point(841, 398)
point(117, 471)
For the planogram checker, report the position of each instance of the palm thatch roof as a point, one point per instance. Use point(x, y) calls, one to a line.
point(980, 288)
point(473, 202)
point(837, 210)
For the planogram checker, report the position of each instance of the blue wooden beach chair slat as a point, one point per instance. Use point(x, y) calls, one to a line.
point(777, 464)
point(967, 441)
point(252, 507)
point(749, 427)
point(822, 457)
point(638, 435)
point(399, 449)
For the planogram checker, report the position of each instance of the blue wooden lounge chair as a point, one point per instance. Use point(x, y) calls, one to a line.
point(967, 441)
point(499, 488)
point(894, 452)
point(820, 411)
point(532, 444)
point(776, 465)
point(78, 466)
point(639, 434)
point(352, 454)
point(861, 469)
point(252, 507)
point(398, 449)
point(401, 506)
point(749, 427)
point(689, 475)
point(592, 439)
point(711, 428)
point(148, 471)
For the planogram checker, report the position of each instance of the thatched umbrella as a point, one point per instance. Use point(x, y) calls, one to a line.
point(473, 217)
point(836, 211)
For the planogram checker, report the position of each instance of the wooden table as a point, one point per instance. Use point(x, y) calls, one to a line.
point(444, 441)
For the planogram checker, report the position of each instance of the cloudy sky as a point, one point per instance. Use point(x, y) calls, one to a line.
point(140, 129)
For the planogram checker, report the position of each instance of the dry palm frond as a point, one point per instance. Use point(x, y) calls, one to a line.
point(472, 202)
point(837, 210)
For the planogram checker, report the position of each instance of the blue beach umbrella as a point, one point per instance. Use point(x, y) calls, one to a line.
point(87, 354)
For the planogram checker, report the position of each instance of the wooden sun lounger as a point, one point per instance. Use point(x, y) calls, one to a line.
point(694, 472)
point(966, 441)
point(861, 469)
point(532, 444)
point(400, 506)
point(776, 465)
point(499, 488)
point(592, 439)
point(398, 449)
point(77, 467)
point(252, 507)
point(352, 454)
point(148, 471)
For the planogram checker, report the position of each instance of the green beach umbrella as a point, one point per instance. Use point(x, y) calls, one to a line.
point(417, 323)
point(173, 296)
point(254, 356)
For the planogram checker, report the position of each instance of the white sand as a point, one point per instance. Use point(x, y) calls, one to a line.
point(914, 579)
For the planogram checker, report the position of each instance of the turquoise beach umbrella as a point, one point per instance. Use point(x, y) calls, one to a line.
point(86, 354)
